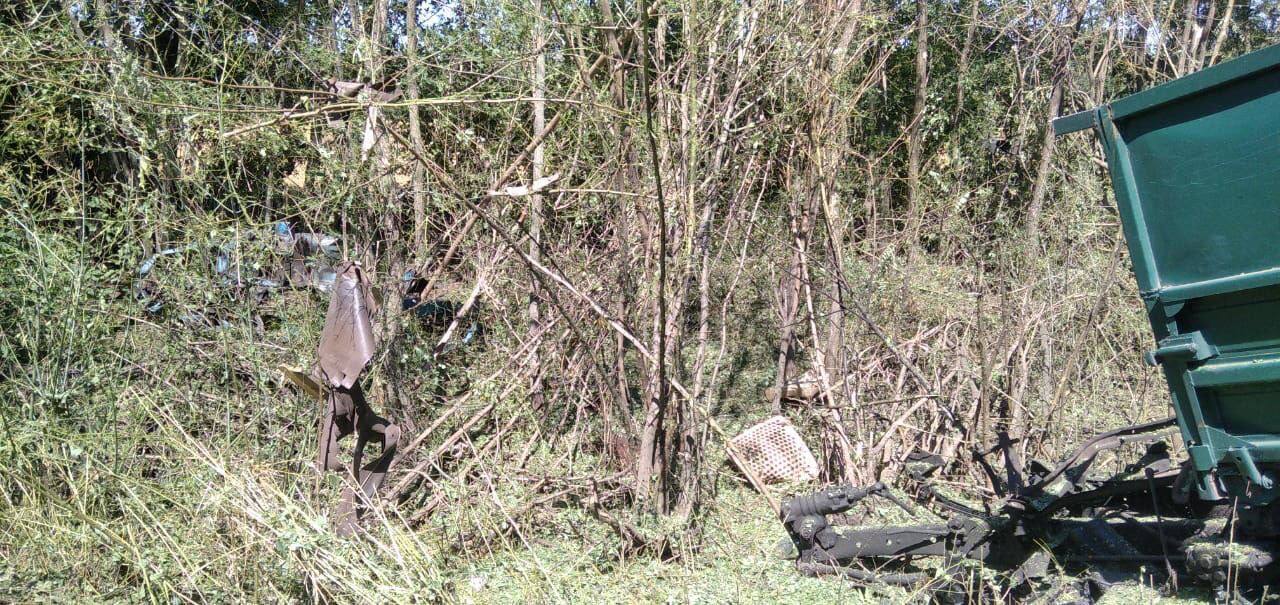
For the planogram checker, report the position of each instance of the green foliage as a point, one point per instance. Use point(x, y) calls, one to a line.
point(160, 456)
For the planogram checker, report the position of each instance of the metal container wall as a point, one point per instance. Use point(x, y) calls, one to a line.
point(1195, 165)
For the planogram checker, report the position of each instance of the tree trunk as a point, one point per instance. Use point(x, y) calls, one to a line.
point(1043, 165)
point(331, 41)
point(1187, 38)
point(1201, 45)
point(536, 165)
point(1224, 26)
point(915, 144)
point(789, 305)
point(962, 69)
point(415, 129)
point(1061, 71)
point(623, 175)
point(650, 463)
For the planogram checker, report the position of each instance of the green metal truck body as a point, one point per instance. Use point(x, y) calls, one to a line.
point(1195, 166)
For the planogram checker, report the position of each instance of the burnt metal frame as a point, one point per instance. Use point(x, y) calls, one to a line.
point(1027, 520)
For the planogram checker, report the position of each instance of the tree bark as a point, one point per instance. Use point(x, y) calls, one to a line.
point(622, 176)
point(331, 41)
point(1061, 70)
point(962, 69)
point(1187, 38)
point(650, 463)
point(915, 135)
point(415, 128)
point(536, 166)
point(789, 303)
point(1224, 26)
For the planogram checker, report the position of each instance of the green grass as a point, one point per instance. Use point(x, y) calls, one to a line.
point(154, 461)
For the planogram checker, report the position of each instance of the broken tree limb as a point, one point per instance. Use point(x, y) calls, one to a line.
point(527, 190)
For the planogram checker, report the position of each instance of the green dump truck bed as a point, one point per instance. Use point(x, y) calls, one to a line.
point(1195, 165)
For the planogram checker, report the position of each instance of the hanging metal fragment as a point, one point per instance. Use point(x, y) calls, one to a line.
point(346, 346)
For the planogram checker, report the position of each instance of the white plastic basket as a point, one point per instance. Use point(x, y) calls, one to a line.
point(775, 451)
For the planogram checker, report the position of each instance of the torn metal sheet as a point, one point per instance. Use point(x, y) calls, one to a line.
point(347, 342)
point(347, 412)
point(346, 347)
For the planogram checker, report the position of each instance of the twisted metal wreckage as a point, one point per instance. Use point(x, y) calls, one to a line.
point(1141, 524)
point(1193, 170)
point(347, 345)
point(347, 342)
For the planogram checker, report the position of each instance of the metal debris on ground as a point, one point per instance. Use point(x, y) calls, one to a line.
point(1136, 525)
point(1195, 189)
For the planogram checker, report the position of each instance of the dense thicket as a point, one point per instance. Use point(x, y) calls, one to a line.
point(860, 190)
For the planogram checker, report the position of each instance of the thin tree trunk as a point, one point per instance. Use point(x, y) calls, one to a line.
point(1224, 26)
point(1162, 30)
point(536, 165)
point(331, 41)
point(1043, 165)
point(415, 129)
point(691, 444)
point(1187, 38)
point(377, 32)
point(1061, 70)
point(380, 152)
point(1201, 45)
point(357, 21)
point(650, 461)
point(962, 69)
point(789, 306)
point(830, 158)
point(622, 176)
point(915, 144)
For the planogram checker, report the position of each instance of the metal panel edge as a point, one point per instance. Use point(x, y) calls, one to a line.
point(1075, 122)
point(1196, 83)
point(1221, 285)
point(1128, 203)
